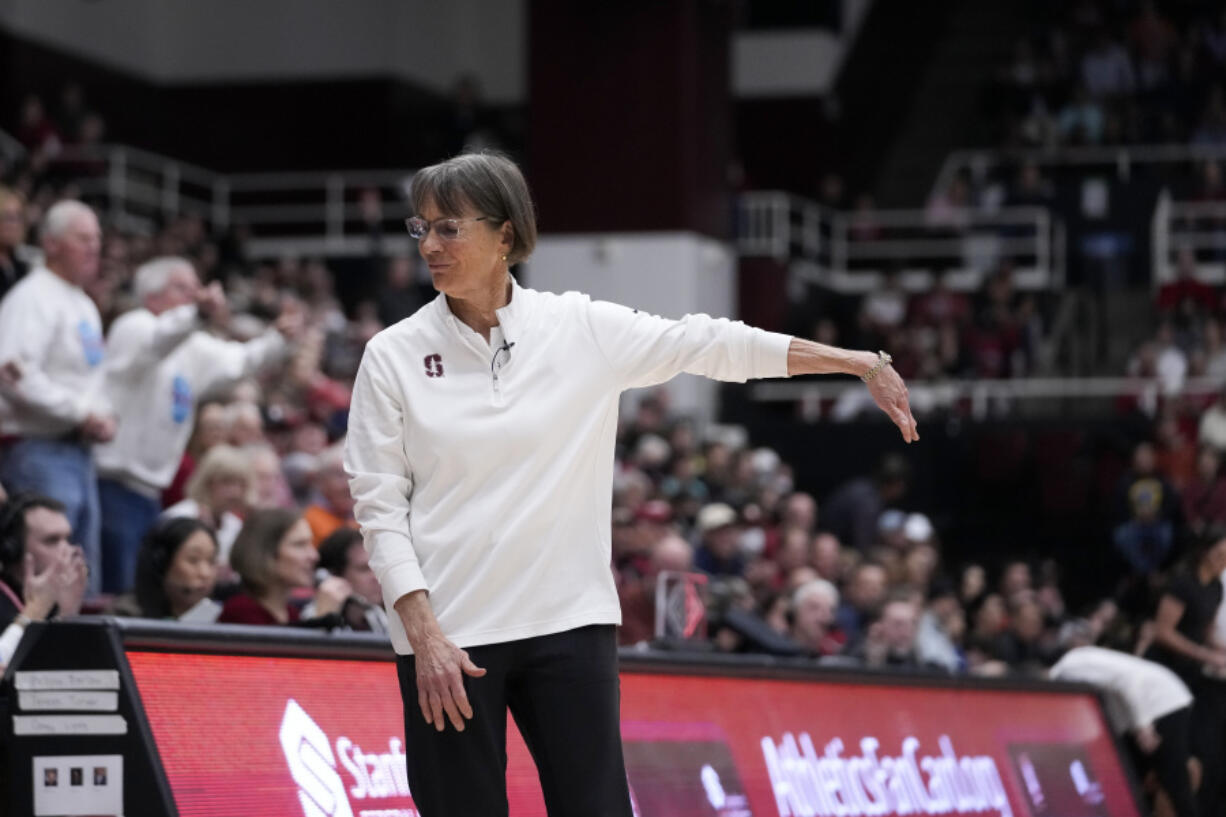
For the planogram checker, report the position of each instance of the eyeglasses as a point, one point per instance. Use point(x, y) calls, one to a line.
point(448, 229)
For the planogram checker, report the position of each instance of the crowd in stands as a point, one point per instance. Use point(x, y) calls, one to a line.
point(1100, 73)
point(211, 410)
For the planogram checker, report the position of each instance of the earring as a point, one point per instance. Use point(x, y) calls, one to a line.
point(504, 258)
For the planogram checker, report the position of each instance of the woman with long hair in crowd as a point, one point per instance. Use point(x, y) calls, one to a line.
point(176, 571)
point(274, 557)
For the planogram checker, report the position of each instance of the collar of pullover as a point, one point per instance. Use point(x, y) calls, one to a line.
point(511, 318)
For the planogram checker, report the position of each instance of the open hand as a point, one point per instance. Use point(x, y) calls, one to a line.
point(441, 668)
point(331, 594)
point(891, 396)
point(98, 428)
point(71, 580)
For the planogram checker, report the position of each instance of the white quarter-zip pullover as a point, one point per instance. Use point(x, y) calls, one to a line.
point(157, 368)
point(52, 330)
point(482, 472)
point(1138, 692)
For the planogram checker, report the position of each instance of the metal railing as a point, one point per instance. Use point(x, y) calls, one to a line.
point(982, 399)
point(1199, 226)
point(295, 213)
point(850, 251)
point(1119, 160)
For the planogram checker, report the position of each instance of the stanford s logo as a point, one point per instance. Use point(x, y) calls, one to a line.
point(312, 765)
point(434, 365)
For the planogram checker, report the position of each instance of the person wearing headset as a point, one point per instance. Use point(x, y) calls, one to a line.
point(176, 573)
point(42, 574)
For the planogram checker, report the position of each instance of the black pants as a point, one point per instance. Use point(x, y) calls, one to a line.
point(564, 693)
point(1170, 760)
point(1209, 743)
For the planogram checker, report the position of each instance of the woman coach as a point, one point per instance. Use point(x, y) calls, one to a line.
point(480, 455)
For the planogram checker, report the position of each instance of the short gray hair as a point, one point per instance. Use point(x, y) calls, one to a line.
point(59, 217)
point(489, 182)
point(152, 276)
point(817, 587)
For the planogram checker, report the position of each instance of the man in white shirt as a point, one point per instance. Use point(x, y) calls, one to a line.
point(52, 404)
point(160, 360)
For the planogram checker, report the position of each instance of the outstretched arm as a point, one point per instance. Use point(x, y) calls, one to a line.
point(887, 388)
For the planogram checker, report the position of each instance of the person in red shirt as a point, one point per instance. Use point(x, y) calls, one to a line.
point(275, 557)
point(1204, 498)
point(1175, 296)
point(813, 618)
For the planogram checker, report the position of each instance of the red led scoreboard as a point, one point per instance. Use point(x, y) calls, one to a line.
point(253, 721)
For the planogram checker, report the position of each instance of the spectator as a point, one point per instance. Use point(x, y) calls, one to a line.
point(638, 597)
point(866, 591)
point(343, 555)
point(1175, 455)
point(218, 494)
point(1186, 292)
point(1215, 351)
point(13, 267)
point(274, 557)
point(940, 304)
point(36, 132)
point(950, 209)
point(1148, 703)
point(72, 112)
point(813, 610)
point(245, 424)
point(400, 296)
point(1106, 69)
point(719, 553)
point(176, 572)
point(1021, 645)
point(939, 634)
point(271, 486)
point(1212, 128)
point(828, 557)
point(1030, 188)
point(851, 512)
point(42, 574)
point(1148, 511)
point(1016, 580)
point(799, 511)
point(52, 402)
point(795, 550)
point(1153, 39)
point(1204, 500)
point(864, 224)
point(889, 639)
point(212, 428)
point(333, 505)
point(1212, 430)
point(1182, 642)
point(1081, 120)
point(884, 308)
point(160, 360)
point(989, 618)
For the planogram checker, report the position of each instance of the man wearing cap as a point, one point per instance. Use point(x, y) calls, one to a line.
point(719, 552)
